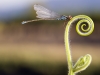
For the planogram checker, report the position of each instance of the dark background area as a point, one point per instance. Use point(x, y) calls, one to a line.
point(37, 48)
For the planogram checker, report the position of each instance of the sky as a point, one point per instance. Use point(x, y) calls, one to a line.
point(14, 8)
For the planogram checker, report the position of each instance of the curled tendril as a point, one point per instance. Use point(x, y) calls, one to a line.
point(90, 23)
point(83, 62)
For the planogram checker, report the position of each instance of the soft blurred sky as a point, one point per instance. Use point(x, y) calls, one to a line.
point(16, 8)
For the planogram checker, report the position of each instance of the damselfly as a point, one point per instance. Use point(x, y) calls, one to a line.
point(45, 14)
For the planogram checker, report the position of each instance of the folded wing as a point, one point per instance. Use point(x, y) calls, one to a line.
point(44, 13)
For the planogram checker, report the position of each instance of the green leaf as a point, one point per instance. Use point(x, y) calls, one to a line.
point(82, 63)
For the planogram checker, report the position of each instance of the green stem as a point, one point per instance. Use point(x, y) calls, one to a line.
point(68, 49)
point(87, 31)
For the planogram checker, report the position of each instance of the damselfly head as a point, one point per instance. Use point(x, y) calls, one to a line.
point(70, 17)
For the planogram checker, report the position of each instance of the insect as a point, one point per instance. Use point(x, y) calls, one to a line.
point(45, 14)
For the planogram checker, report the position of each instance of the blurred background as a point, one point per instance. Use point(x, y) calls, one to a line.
point(37, 48)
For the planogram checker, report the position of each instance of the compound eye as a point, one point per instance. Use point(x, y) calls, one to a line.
point(70, 17)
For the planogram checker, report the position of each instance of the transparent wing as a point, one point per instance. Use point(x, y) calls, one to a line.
point(44, 13)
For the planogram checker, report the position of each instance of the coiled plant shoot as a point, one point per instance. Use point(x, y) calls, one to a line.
point(84, 61)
